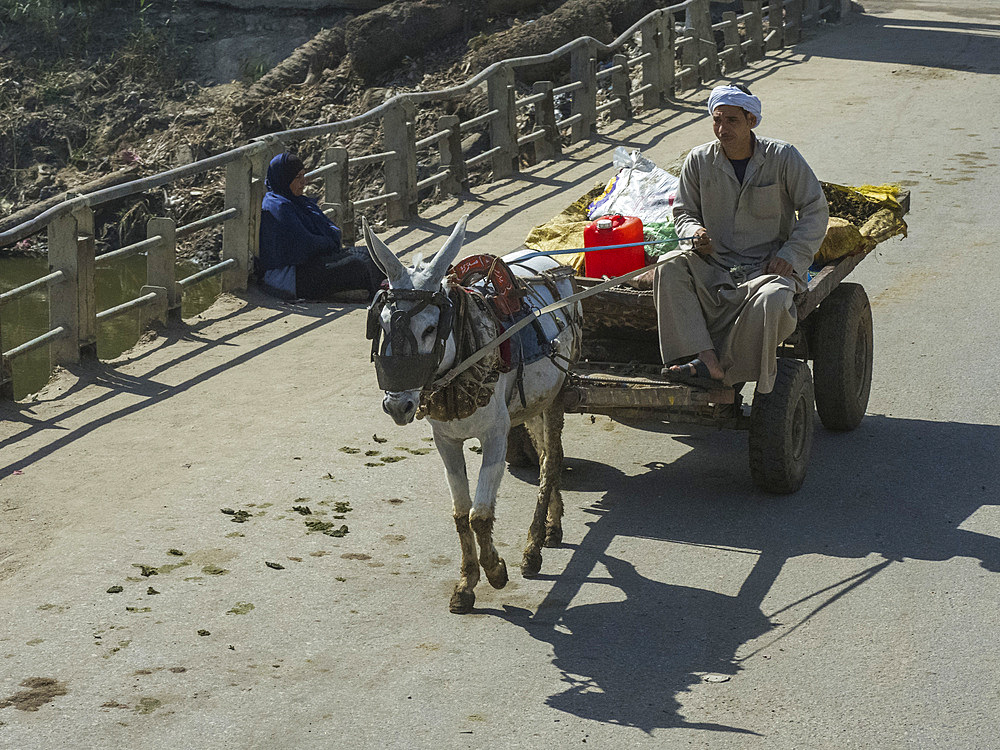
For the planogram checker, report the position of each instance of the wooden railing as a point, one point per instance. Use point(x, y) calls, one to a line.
point(672, 56)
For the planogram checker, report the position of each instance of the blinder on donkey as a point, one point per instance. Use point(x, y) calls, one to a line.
point(399, 365)
point(401, 368)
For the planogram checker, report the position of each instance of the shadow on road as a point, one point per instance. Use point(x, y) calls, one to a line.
point(895, 488)
point(148, 386)
point(948, 45)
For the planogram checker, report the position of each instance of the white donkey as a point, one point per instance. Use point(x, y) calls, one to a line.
point(422, 316)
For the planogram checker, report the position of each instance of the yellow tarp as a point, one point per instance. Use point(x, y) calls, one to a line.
point(861, 217)
point(842, 238)
point(565, 230)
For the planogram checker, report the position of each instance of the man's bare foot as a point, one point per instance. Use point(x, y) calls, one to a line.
point(704, 370)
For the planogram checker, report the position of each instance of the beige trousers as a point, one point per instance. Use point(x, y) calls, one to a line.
point(699, 306)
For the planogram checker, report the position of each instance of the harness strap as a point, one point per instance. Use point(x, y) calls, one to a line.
point(520, 383)
point(492, 271)
point(529, 319)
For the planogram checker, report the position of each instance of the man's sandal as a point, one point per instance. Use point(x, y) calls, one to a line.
point(697, 375)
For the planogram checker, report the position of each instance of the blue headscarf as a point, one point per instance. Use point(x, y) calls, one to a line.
point(293, 228)
point(280, 173)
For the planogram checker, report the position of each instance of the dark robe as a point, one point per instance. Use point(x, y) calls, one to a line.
point(300, 249)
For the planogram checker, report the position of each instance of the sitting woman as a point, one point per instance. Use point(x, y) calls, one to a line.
point(300, 251)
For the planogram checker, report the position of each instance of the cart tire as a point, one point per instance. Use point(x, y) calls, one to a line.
point(842, 349)
point(781, 429)
point(520, 450)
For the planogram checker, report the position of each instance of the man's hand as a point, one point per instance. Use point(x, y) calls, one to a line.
point(779, 266)
point(701, 242)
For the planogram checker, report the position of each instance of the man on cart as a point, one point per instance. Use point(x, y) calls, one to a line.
point(755, 215)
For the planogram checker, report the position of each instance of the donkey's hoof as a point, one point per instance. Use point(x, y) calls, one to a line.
point(531, 564)
point(553, 536)
point(498, 576)
point(461, 602)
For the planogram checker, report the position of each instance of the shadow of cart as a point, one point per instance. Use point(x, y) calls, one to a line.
point(893, 490)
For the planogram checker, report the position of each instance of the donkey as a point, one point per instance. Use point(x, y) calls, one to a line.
point(423, 337)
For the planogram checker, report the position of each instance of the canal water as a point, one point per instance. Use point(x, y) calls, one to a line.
point(117, 281)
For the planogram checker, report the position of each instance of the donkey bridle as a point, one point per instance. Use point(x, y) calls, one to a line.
point(406, 368)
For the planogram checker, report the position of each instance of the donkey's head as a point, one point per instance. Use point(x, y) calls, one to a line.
point(412, 319)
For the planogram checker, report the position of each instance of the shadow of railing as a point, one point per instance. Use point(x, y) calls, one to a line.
point(945, 45)
point(147, 387)
point(563, 177)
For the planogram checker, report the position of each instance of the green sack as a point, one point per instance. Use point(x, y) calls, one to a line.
point(662, 231)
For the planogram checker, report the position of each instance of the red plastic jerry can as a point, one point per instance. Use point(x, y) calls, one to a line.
point(613, 230)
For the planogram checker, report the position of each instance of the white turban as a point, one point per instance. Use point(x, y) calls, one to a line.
point(735, 97)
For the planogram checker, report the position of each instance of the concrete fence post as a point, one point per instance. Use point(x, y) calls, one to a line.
point(158, 309)
point(401, 170)
point(690, 58)
point(335, 184)
point(236, 232)
point(657, 40)
point(548, 146)
point(86, 273)
point(755, 29)
point(844, 8)
point(6, 372)
point(731, 38)
point(160, 263)
point(810, 13)
point(668, 54)
point(775, 25)
point(793, 18)
point(651, 44)
point(503, 127)
point(259, 160)
point(583, 68)
point(450, 156)
point(621, 87)
point(337, 189)
point(64, 304)
point(701, 20)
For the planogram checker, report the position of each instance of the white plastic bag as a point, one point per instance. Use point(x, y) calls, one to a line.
point(639, 189)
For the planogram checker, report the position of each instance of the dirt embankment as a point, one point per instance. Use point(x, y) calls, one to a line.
point(98, 95)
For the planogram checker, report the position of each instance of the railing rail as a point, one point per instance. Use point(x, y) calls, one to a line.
point(671, 55)
point(31, 286)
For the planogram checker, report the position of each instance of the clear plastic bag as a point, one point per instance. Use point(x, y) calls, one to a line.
point(640, 188)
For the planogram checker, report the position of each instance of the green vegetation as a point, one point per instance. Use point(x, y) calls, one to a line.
point(76, 76)
point(252, 69)
point(69, 32)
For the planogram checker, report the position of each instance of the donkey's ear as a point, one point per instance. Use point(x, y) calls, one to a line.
point(381, 254)
point(447, 254)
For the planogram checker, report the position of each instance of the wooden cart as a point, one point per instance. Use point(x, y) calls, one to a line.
point(619, 373)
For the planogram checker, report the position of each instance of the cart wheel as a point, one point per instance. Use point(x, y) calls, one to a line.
point(841, 344)
point(520, 450)
point(781, 429)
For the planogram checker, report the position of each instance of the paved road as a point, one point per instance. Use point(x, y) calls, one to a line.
point(684, 610)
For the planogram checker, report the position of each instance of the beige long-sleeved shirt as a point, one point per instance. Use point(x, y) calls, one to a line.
point(752, 222)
